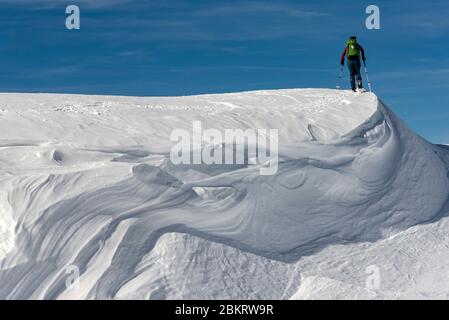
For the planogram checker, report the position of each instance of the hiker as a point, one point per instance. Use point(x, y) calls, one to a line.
point(352, 52)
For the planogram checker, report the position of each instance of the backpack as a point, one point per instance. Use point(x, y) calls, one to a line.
point(352, 48)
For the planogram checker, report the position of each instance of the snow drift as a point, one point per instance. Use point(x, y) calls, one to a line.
point(87, 185)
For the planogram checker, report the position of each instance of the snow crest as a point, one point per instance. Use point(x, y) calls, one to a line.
point(88, 186)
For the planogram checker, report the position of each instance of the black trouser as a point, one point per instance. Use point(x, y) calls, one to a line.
point(354, 73)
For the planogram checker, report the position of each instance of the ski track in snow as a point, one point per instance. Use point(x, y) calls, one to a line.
point(86, 182)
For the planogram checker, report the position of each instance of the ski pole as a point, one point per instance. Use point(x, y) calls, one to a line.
point(367, 77)
point(339, 77)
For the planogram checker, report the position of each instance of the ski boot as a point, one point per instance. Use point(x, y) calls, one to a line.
point(359, 86)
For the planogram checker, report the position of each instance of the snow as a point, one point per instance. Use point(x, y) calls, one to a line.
point(86, 182)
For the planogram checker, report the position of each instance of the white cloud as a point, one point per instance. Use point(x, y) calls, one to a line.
point(47, 4)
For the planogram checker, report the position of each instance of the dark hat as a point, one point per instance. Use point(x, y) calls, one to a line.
point(353, 37)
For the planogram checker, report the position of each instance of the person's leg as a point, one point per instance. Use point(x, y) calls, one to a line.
point(357, 74)
point(352, 72)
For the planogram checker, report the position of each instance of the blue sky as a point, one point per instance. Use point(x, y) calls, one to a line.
point(155, 47)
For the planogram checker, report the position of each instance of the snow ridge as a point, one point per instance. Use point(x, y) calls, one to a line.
point(87, 182)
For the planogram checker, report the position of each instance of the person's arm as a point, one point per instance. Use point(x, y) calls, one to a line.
point(342, 60)
point(363, 52)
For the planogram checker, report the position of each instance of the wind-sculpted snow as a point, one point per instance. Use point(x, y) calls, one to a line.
point(87, 185)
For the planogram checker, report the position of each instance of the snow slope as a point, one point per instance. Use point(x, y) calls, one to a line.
point(86, 182)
